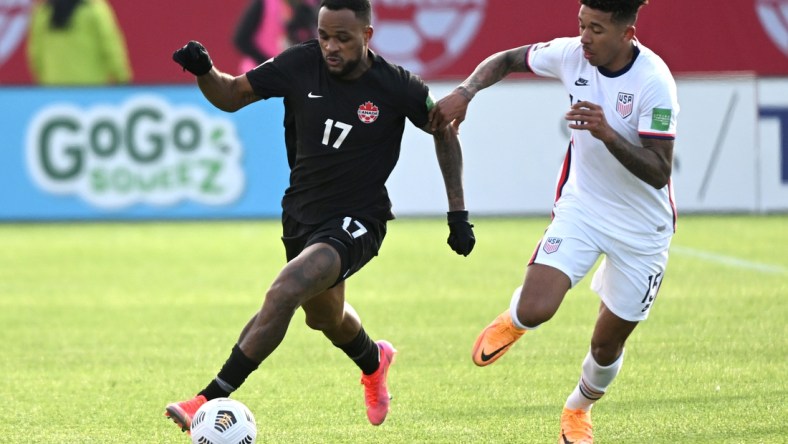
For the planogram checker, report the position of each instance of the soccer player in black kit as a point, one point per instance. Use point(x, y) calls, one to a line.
point(345, 110)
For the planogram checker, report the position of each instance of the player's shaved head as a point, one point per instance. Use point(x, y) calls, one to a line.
point(362, 8)
point(623, 11)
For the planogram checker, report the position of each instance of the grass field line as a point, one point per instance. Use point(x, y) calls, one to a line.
point(729, 260)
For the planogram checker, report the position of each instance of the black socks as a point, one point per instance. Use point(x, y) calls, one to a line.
point(363, 351)
point(234, 372)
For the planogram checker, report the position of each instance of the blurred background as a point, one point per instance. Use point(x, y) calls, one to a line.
point(127, 135)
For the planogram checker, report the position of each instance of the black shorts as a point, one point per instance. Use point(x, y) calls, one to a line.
point(357, 241)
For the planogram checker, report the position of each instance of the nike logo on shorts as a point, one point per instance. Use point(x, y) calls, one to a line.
point(313, 96)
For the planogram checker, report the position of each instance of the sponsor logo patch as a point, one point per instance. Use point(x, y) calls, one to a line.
point(660, 119)
point(551, 244)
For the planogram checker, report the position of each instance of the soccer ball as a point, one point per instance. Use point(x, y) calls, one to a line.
point(223, 421)
point(425, 36)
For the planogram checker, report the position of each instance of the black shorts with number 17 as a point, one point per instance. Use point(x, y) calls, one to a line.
point(357, 241)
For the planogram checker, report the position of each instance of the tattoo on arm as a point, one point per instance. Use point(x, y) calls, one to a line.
point(493, 69)
point(651, 163)
point(449, 153)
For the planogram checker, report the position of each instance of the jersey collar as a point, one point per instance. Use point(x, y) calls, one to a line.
point(625, 69)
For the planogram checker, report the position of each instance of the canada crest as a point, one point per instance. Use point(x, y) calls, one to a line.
point(368, 112)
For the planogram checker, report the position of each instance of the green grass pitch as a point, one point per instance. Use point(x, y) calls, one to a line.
point(101, 325)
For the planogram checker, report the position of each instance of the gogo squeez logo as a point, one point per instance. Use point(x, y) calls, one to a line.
point(142, 151)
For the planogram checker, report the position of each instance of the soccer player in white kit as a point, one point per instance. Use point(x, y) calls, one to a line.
point(614, 196)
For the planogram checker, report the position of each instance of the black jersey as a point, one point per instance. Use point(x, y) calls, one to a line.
point(343, 137)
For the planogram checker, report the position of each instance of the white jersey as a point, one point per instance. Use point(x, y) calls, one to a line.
point(639, 101)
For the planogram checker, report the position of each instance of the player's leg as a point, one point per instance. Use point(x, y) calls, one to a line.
point(600, 367)
point(542, 292)
point(310, 273)
point(603, 361)
point(330, 314)
point(357, 241)
point(532, 304)
point(627, 280)
point(560, 260)
point(340, 323)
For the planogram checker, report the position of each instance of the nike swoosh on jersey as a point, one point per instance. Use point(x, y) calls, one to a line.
point(485, 357)
point(581, 82)
point(313, 96)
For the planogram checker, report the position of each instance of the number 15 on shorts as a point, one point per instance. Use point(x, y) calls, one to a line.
point(654, 282)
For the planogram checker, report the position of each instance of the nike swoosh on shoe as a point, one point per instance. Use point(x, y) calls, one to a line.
point(485, 357)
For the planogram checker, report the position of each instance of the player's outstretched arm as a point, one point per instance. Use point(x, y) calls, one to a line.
point(449, 152)
point(452, 108)
point(224, 91)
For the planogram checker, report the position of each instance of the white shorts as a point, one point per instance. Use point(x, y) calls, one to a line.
point(630, 274)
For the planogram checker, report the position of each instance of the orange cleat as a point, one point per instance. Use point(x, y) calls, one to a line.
point(182, 412)
point(376, 394)
point(495, 340)
point(576, 427)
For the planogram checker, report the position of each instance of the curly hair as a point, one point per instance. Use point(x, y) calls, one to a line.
point(362, 8)
point(624, 11)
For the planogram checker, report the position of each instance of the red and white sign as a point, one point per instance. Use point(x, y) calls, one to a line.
point(774, 18)
point(14, 16)
point(426, 36)
point(444, 39)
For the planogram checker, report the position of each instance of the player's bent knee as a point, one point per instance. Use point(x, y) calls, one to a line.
point(606, 354)
point(280, 302)
point(535, 315)
point(322, 323)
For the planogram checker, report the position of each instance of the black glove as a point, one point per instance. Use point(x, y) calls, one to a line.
point(194, 58)
point(461, 238)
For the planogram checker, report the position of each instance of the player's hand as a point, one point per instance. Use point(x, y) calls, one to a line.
point(193, 57)
point(590, 117)
point(450, 109)
point(461, 238)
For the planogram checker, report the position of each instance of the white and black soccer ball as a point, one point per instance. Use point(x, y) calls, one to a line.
point(223, 421)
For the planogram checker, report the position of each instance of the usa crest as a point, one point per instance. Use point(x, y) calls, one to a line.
point(368, 112)
point(624, 104)
point(551, 244)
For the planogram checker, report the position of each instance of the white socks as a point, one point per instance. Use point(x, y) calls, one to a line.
point(593, 382)
point(513, 310)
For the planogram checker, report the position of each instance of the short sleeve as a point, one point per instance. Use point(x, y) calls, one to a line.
point(419, 101)
point(659, 109)
point(547, 59)
point(275, 76)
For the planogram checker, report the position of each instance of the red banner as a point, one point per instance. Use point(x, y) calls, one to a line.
point(443, 39)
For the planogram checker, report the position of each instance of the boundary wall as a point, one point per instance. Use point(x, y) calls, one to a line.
point(163, 152)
